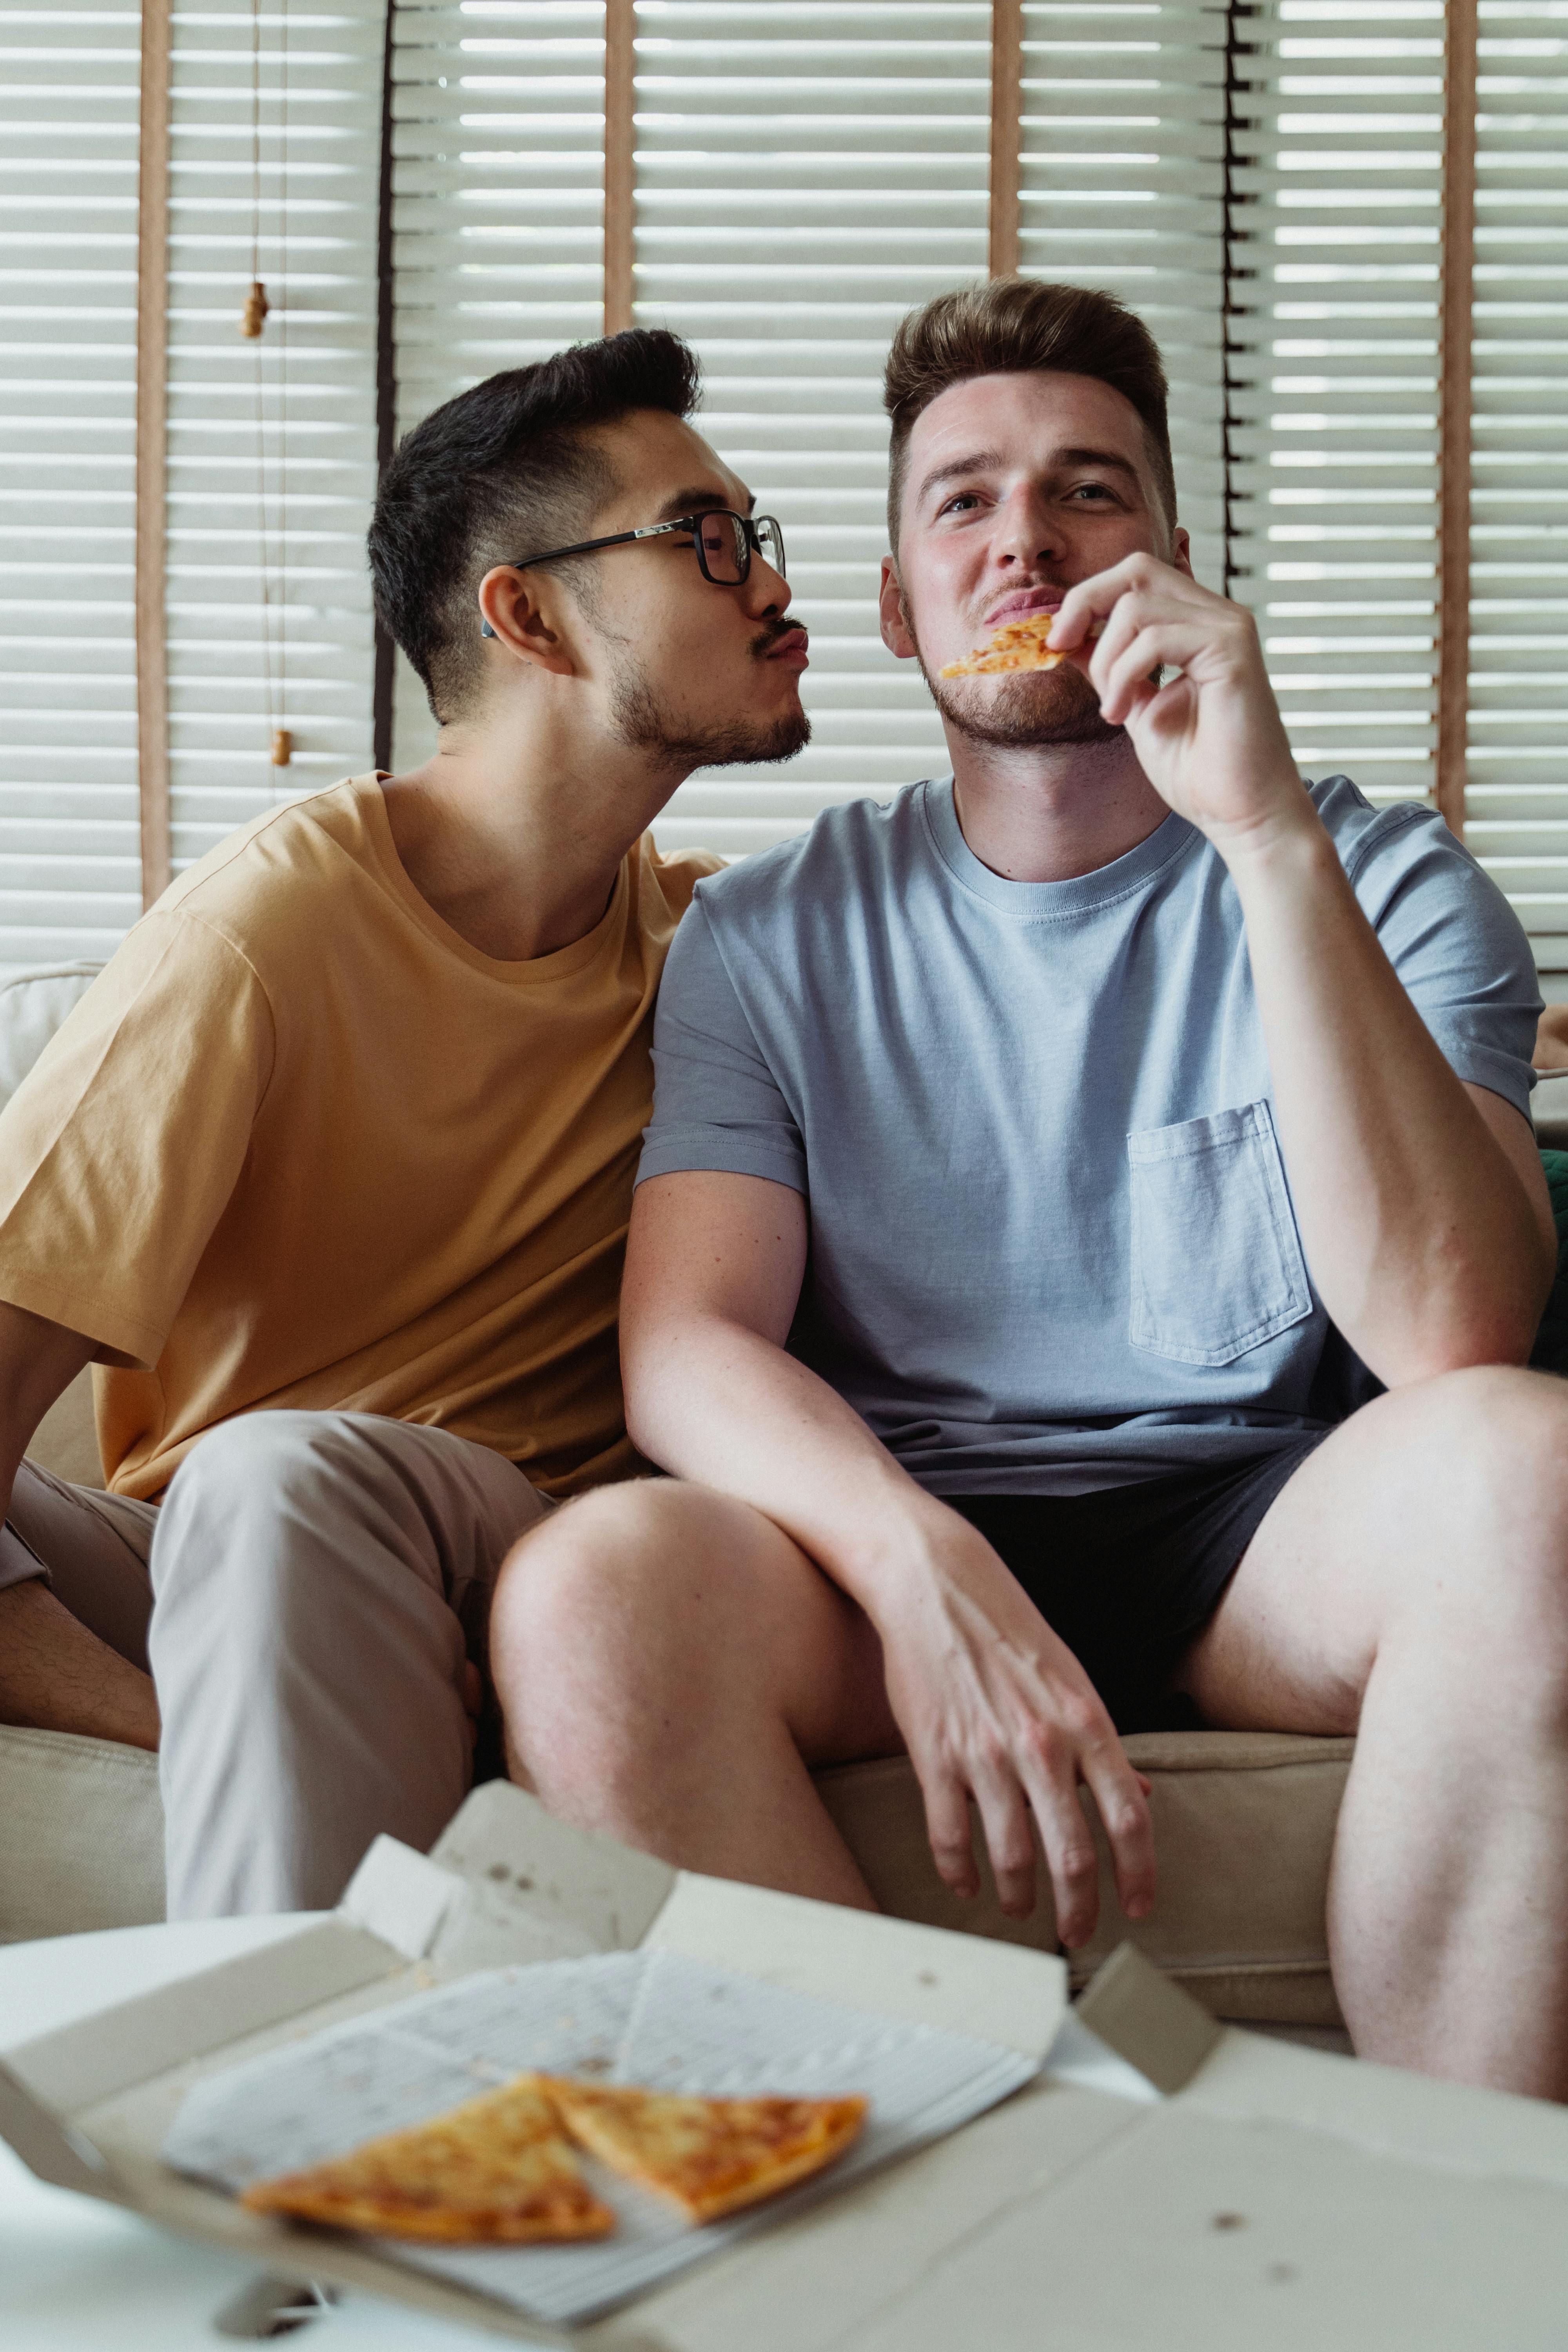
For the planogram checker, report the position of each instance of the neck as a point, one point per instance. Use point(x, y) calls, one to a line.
point(514, 834)
point(1050, 812)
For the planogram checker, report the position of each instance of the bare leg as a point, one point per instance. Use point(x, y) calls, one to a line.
point(56, 1676)
point(671, 1667)
point(1410, 1584)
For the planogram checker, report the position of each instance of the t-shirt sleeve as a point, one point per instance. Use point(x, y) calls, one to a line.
point(121, 1147)
point(1458, 946)
point(717, 1105)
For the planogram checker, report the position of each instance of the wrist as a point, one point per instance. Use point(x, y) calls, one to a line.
point(1286, 844)
point(901, 1543)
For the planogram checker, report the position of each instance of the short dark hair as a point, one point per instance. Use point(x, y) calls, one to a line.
point(1020, 326)
point(501, 471)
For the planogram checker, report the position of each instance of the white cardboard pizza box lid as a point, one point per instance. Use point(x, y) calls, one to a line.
point(1271, 2194)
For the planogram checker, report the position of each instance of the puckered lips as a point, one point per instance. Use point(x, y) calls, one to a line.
point(790, 650)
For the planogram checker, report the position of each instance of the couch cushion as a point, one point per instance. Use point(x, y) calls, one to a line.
point(33, 1003)
point(81, 1836)
point(1243, 1822)
point(1244, 1825)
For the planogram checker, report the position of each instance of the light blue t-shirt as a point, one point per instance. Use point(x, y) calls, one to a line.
point(1052, 1243)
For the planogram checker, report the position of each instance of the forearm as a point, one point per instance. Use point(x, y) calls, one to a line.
point(712, 1400)
point(1423, 1242)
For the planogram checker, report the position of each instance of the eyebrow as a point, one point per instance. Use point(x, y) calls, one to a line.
point(979, 460)
point(696, 501)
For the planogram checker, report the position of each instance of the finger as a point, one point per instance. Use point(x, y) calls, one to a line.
point(1095, 599)
point(947, 1827)
point(1071, 1855)
point(1009, 1838)
point(1121, 1797)
point(1130, 681)
point(1115, 634)
point(1090, 602)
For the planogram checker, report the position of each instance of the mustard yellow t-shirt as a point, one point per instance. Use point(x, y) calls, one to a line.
point(300, 1144)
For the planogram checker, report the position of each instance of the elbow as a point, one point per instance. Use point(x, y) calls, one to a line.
point(655, 1374)
point(640, 1424)
point(636, 1394)
point(1468, 1336)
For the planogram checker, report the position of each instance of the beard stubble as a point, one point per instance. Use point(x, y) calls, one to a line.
point(1023, 709)
point(646, 722)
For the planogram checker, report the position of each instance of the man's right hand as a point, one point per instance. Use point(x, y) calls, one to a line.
point(991, 1705)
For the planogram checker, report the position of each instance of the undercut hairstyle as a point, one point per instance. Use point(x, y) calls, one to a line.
point(1018, 326)
point(504, 471)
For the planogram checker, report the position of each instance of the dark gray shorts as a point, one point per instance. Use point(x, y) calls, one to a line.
point(1128, 1576)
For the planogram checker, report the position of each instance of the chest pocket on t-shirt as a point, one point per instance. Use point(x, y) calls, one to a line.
point(1216, 1261)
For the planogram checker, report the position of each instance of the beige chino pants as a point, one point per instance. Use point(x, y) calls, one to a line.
point(304, 1598)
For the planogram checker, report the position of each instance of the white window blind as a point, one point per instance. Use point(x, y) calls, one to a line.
point(1334, 392)
point(69, 865)
point(498, 210)
point(802, 174)
point(272, 442)
point(1124, 188)
point(806, 175)
point(1518, 793)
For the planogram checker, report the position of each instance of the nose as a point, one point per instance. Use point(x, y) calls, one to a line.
point(1028, 529)
point(766, 592)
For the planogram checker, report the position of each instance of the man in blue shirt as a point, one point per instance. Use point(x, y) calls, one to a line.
point(1043, 1171)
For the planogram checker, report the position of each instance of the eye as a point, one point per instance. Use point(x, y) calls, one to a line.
point(1092, 491)
point(960, 502)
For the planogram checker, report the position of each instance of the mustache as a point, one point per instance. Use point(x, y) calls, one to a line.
point(762, 644)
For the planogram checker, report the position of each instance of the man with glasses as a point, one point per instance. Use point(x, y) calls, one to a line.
point(330, 1171)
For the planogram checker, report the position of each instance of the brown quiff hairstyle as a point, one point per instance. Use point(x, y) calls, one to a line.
point(1018, 326)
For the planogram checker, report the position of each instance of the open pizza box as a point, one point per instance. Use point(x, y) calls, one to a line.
point(1163, 2181)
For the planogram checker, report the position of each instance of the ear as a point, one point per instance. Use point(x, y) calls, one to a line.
point(511, 611)
point(890, 606)
point(1182, 552)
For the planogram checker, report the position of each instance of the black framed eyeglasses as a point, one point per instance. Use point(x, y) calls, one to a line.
point(724, 543)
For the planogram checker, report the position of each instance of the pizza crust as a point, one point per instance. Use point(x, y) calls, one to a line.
point(1018, 645)
point(706, 2157)
point(499, 2170)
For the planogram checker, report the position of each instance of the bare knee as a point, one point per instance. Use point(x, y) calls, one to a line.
point(1493, 1447)
point(638, 1630)
point(590, 1579)
point(611, 1621)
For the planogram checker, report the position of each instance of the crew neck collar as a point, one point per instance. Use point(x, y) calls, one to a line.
point(1037, 902)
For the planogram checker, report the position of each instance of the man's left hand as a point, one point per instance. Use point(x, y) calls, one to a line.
point(1211, 742)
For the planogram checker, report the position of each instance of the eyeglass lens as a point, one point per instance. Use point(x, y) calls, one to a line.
point(725, 545)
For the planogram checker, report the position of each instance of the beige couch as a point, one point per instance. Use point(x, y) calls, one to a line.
point(1243, 1822)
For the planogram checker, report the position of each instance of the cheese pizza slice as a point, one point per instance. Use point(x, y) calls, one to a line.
point(499, 2170)
point(706, 2157)
point(1018, 645)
